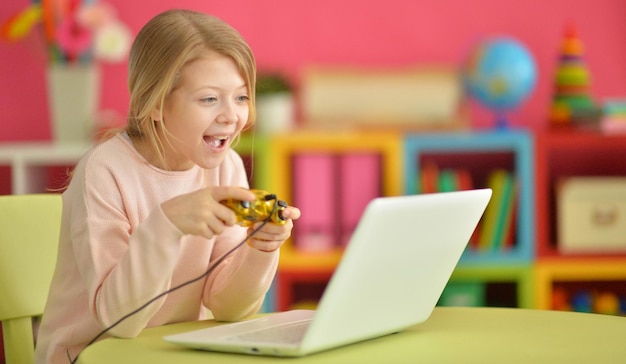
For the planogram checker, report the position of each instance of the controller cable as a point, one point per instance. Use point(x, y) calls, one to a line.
point(184, 284)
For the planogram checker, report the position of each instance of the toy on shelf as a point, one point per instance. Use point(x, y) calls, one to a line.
point(500, 74)
point(571, 101)
point(614, 119)
point(599, 302)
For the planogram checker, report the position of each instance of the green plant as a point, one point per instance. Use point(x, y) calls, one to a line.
point(272, 83)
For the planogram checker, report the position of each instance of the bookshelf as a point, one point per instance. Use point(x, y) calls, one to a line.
point(581, 285)
point(512, 285)
point(402, 156)
point(530, 272)
point(323, 154)
point(575, 281)
point(482, 156)
point(567, 154)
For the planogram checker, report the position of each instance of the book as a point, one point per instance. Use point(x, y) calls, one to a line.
point(447, 180)
point(360, 182)
point(464, 179)
point(505, 215)
point(500, 181)
point(429, 178)
point(314, 191)
point(464, 182)
point(510, 236)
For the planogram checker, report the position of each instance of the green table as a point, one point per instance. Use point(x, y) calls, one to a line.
point(450, 335)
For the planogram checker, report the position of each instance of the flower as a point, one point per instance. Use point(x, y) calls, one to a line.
point(73, 37)
point(111, 42)
point(74, 31)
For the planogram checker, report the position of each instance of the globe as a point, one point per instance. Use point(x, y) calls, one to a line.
point(500, 74)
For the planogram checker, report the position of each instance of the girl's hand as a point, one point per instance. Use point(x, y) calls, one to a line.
point(272, 236)
point(201, 213)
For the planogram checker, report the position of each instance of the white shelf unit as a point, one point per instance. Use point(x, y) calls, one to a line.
point(29, 161)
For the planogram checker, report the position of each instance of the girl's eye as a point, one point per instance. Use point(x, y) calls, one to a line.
point(243, 98)
point(210, 99)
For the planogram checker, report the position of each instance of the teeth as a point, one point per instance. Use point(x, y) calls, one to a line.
point(217, 140)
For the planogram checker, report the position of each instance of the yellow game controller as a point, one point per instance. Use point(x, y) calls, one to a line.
point(266, 206)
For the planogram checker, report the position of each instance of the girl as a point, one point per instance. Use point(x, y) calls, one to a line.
point(142, 213)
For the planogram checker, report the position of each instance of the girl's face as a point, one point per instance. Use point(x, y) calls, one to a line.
point(205, 111)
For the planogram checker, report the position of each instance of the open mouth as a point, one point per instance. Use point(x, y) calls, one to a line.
point(216, 141)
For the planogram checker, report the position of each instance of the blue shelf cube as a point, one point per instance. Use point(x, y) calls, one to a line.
point(511, 150)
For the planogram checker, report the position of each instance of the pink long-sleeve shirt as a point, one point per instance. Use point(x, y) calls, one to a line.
point(117, 250)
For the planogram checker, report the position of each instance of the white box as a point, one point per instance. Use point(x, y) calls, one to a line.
point(414, 98)
point(591, 215)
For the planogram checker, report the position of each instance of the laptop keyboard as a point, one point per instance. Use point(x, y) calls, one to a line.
point(288, 334)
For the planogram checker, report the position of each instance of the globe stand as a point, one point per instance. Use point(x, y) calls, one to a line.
point(502, 122)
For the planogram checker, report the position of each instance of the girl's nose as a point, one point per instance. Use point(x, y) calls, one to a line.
point(228, 114)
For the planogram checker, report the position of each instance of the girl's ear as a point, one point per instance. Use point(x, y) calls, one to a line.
point(156, 114)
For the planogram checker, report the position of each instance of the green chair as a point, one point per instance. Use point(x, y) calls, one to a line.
point(29, 234)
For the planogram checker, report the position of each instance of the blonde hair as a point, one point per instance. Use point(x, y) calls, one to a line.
point(163, 46)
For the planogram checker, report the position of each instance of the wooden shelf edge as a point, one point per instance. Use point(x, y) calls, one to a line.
point(294, 260)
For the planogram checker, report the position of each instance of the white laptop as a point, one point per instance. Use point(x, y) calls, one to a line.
point(391, 275)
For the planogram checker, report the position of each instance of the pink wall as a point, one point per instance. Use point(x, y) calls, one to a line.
point(288, 35)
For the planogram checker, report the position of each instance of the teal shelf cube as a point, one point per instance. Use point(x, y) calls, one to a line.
point(466, 294)
point(481, 153)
